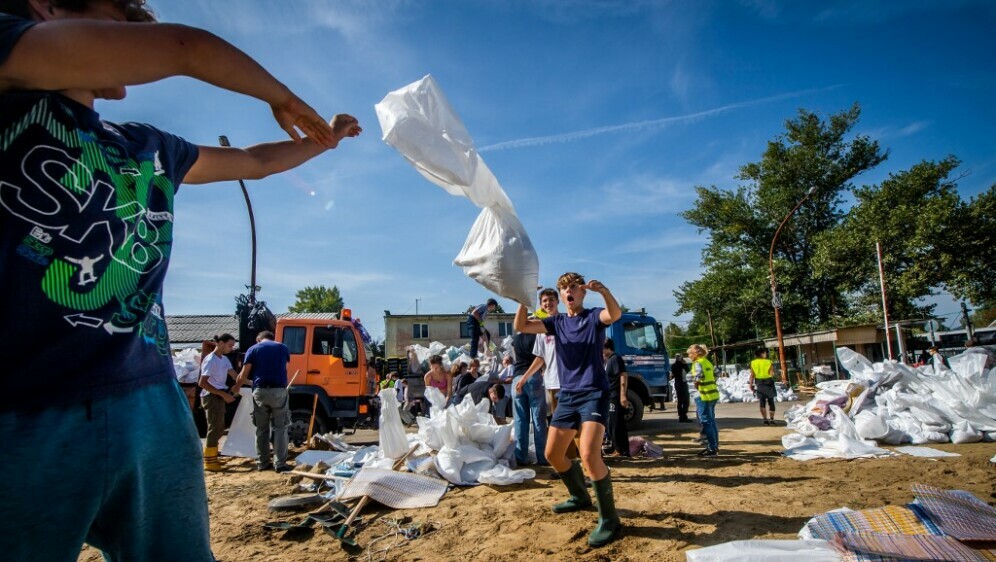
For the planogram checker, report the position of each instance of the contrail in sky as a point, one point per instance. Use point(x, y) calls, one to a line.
point(650, 124)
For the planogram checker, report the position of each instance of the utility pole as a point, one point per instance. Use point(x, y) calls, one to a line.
point(969, 329)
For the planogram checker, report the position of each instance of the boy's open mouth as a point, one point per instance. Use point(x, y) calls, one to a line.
point(570, 298)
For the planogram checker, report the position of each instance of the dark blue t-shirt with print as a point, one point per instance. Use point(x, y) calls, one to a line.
point(269, 364)
point(86, 228)
point(579, 342)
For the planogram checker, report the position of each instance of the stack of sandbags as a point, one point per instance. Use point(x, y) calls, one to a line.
point(187, 364)
point(893, 403)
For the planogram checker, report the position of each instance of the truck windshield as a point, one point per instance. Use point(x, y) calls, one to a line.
point(642, 337)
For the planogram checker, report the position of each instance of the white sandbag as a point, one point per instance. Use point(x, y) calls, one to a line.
point(463, 465)
point(501, 475)
point(963, 432)
point(393, 443)
point(765, 551)
point(499, 255)
point(419, 122)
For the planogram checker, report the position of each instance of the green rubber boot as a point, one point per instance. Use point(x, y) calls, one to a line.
point(609, 524)
point(574, 480)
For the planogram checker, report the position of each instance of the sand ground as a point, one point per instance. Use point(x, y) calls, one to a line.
point(668, 505)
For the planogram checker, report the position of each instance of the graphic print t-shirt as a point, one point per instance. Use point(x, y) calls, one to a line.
point(86, 227)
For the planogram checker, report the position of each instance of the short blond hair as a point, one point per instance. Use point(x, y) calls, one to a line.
point(568, 279)
point(699, 349)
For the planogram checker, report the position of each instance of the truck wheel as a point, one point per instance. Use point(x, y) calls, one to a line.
point(297, 431)
point(633, 414)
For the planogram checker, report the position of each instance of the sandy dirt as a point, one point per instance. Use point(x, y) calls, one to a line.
point(668, 505)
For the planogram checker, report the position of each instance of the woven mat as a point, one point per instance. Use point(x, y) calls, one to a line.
point(400, 490)
point(960, 515)
point(882, 546)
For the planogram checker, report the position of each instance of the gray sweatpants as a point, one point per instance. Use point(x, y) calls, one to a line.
point(271, 411)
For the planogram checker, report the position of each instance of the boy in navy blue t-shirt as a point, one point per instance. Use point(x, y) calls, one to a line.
point(86, 230)
point(583, 401)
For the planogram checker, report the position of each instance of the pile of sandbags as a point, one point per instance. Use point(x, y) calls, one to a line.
point(489, 359)
point(736, 388)
point(187, 364)
point(893, 403)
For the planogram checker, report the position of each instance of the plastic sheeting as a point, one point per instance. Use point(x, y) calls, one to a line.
point(766, 551)
point(892, 403)
point(419, 122)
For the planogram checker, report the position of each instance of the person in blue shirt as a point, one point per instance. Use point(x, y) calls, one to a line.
point(583, 400)
point(266, 363)
point(86, 231)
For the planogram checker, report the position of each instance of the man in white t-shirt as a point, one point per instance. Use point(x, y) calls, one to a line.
point(215, 370)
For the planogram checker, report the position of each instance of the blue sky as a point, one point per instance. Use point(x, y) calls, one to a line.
point(597, 117)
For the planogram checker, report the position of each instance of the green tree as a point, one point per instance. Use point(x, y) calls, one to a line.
point(812, 154)
point(318, 299)
point(973, 244)
point(912, 215)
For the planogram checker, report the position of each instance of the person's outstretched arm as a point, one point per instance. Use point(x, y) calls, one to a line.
point(222, 163)
point(101, 55)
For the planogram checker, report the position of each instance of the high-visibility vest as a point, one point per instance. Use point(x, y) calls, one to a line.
point(708, 391)
point(761, 369)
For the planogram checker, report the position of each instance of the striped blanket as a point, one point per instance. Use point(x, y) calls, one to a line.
point(909, 532)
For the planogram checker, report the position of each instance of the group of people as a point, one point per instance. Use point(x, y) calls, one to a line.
point(265, 366)
point(86, 229)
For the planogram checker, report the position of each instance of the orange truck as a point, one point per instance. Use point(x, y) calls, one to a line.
point(329, 356)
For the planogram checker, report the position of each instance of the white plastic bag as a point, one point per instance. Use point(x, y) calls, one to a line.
point(393, 443)
point(419, 122)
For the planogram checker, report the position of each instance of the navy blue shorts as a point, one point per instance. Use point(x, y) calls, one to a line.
point(575, 408)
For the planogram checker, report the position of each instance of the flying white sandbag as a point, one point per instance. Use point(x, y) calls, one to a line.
point(419, 122)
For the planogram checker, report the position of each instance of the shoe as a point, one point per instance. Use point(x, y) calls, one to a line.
point(766, 422)
point(609, 524)
point(708, 453)
point(264, 467)
point(700, 440)
point(284, 468)
point(574, 480)
point(684, 420)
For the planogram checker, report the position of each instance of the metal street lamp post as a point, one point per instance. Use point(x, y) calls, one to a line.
point(776, 299)
point(223, 141)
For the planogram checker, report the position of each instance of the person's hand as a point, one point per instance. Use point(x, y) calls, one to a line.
point(520, 385)
point(624, 402)
point(235, 389)
point(228, 398)
point(345, 126)
point(293, 114)
point(596, 286)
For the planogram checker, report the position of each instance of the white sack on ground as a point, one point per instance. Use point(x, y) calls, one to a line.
point(419, 122)
point(241, 438)
point(393, 443)
point(892, 403)
point(765, 551)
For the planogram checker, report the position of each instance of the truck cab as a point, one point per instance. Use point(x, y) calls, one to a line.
point(329, 368)
point(639, 341)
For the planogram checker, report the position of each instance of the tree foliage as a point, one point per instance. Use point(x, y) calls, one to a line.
point(735, 289)
point(318, 299)
point(824, 257)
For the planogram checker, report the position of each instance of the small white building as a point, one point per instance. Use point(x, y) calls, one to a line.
point(403, 330)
